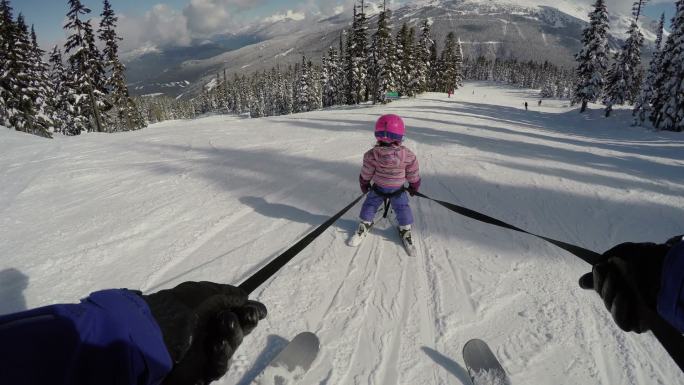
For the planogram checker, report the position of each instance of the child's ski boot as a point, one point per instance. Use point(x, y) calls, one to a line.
point(405, 234)
point(361, 233)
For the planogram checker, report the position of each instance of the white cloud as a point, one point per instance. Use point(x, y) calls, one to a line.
point(330, 7)
point(289, 15)
point(212, 16)
point(160, 26)
point(207, 16)
point(625, 6)
point(163, 25)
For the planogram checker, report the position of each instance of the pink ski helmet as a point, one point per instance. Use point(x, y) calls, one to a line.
point(389, 128)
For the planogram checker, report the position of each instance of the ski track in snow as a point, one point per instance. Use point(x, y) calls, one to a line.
point(217, 198)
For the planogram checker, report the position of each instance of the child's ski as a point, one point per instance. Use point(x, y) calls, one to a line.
point(407, 241)
point(483, 366)
point(292, 363)
point(360, 234)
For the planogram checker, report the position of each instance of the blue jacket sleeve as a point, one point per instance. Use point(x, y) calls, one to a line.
point(671, 296)
point(110, 338)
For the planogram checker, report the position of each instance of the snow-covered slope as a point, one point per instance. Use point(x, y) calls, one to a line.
point(216, 198)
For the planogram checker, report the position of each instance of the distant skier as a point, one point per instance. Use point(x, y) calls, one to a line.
point(388, 165)
point(450, 92)
point(637, 277)
point(525, 106)
point(539, 104)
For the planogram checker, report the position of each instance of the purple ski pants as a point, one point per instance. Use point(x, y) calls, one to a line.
point(400, 205)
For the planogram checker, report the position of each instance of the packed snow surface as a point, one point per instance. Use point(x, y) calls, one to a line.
point(217, 198)
point(490, 377)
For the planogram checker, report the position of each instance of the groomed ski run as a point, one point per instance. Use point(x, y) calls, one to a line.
point(216, 198)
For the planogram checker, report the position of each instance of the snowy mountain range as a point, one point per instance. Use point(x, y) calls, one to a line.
point(524, 29)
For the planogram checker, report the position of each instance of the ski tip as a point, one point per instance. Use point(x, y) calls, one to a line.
point(475, 343)
point(309, 336)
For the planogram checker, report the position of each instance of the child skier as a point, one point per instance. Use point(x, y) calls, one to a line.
point(388, 165)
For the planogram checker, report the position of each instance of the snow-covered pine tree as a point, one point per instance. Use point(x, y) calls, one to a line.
point(593, 57)
point(403, 54)
point(341, 74)
point(361, 51)
point(258, 107)
point(435, 68)
point(86, 73)
point(224, 92)
point(96, 67)
point(127, 117)
point(380, 66)
point(215, 94)
point(315, 89)
point(288, 89)
point(58, 104)
point(249, 95)
point(273, 93)
point(282, 93)
point(328, 74)
point(355, 59)
point(350, 69)
point(236, 101)
point(448, 75)
point(40, 90)
point(668, 102)
point(624, 78)
point(19, 103)
point(458, 64)
point(415, 81)
point(548, 89)
point(410, 62)
point(423, 64)
point(6, 35)
point(294, 80)
point(642, 106)
point(231, 101)
point(302, 100)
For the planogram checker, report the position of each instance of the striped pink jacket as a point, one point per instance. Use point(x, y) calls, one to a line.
point(390, 166)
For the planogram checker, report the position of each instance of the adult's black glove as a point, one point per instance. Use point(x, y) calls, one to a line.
point(203, 323)
point(628, 280)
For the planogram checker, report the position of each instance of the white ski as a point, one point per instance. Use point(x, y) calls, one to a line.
point(407, 241)
point(483, 366)
point(359, 235)
point(292, 363)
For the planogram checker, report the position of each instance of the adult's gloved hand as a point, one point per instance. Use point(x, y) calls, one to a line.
point(364, 184)
point(203, 323)
point(628, 280)
point(413, 187)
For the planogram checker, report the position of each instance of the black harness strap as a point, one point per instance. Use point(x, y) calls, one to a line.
point(668, 336)
point(266, 272)
point(387, 197)
point(586, 255)
point(387, 206)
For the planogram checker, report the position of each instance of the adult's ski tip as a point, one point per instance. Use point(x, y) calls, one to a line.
point(291, 363)
point(474, 343)
point(483, 366)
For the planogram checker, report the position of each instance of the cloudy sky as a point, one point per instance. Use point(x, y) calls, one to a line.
point(145, 23)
